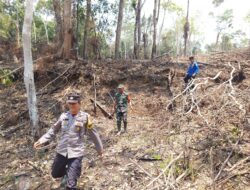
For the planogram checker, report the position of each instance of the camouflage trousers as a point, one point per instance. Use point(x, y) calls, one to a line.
point(121, 116)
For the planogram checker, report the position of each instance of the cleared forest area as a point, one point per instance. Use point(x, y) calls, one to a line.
point(197, 139)
point(185, 66)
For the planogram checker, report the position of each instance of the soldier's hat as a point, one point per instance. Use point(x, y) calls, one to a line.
point(74, 98)
point(120, 86)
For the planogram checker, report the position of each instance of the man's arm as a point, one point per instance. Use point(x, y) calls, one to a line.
point(196, 69)
point(129, 101)
point(92, 133)
point(50, 133)
point(114, 107)
point(187, 72)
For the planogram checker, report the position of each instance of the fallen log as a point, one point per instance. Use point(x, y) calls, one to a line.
point(105, 113)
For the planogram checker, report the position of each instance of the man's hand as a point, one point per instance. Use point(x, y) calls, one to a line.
point(37, 144)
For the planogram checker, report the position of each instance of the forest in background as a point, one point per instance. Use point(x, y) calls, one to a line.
point(193, 137)
point(98, 29)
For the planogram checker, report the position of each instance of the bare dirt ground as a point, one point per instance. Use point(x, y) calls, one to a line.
point(177, 138)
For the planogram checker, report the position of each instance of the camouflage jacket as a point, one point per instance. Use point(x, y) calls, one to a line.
point(73, 128)
point(122, 101)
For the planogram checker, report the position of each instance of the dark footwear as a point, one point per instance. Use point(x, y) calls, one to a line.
point(63, 181)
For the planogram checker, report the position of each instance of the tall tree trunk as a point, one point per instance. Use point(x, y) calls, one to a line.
point(77, 28)
point(154, 31)
point(59, 23)
point(139, 27)
point(74, 27)
point(125, 50)
point(186, 30)
point(17, 31)
point(17, 34)
point(17, 25)
point(160, 32)
point(135, 35)
point(86, 29)
point(34, 25)
point(145, 45)
point(46, 30)
point(119, 29)
point(217, 39)
point(137, 30)
point(156, 13)
point(28, 68)
point(67, 42)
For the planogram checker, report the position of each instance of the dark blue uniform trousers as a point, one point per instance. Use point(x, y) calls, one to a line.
point(70, 167)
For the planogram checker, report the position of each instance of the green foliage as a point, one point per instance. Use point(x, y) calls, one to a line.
point(177, 167)
point(11, 17)
point(217, 2)
point(156, 156)
point(210, 47)
point(133, 4)
point(172, 7)
point(247, 18)
point(6, 78)
point(229, 39)
point(5, 25)
point(40, 29)
point(45, 6)
point(225, 20)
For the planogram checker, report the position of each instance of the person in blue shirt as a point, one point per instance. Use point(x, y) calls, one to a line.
point(193, 70)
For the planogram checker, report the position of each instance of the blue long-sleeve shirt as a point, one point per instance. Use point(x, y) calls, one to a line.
point(193, 69)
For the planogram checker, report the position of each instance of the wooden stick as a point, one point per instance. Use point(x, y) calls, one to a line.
point(107, 114)
point(238, 163)
point(225, 162)
point(94, 96)
point(170, 163)
point(141, 168)
point(212, 166)
point(11, 72)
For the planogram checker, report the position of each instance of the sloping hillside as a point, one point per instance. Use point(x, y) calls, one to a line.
point(177, 138)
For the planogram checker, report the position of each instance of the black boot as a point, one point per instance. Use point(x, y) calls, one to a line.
point(119, 127)
point(125, 127)
point(68, 188)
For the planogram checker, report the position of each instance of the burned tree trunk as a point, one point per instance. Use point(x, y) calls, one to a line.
point(28, 68)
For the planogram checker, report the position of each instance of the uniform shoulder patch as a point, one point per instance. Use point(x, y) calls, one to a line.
point(89, 123)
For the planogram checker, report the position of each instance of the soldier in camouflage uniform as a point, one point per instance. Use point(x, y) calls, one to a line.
point(73, 125)
point(122, 99)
